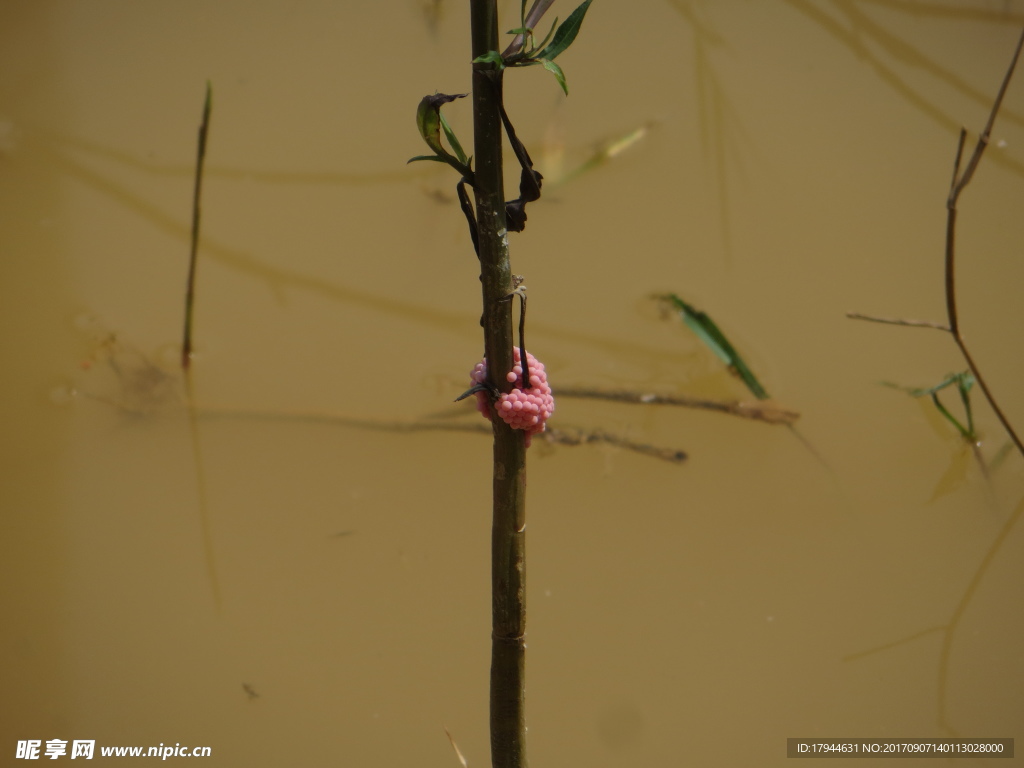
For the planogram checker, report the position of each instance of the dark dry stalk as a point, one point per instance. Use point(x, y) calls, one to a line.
point(186, 345)
point(508, 572)
point(956, 187)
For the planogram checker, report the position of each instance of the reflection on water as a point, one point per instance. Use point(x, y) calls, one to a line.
point(124, 377)
point(295, 569)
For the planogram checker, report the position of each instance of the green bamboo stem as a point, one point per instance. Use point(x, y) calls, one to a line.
point(508, 572)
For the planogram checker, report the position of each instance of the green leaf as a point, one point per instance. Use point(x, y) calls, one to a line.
point(429, 120)
point(556, 70)
point(965, 432)
point(708, 332)
point(491, 57)
point(544, 42)
point(453, 141)
point(964, 384)
point(425, 157)
point(963, 381)
point(566, 33)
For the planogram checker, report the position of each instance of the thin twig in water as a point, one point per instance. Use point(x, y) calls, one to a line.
point(458, 752)
point(757, 411)
point(186, 353)
point(571, 436)
point(895, 643)
point(899, 321)
point(186, 345)
point(956, 188)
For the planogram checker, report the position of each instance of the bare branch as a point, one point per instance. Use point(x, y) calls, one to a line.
point(757, 411)
point(899, 321)
point(951, 213)
point(979, 149)
point(568, 435)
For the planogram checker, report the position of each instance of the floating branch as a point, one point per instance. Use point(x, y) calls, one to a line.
point(566, 435)
point(571, 436)
point(757, 411)
point(898, 321)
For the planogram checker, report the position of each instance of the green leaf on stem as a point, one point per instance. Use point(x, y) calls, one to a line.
point(425, 157)
point(543, 42)
point(708, 332)
point(566, 33)
point(453, 141)
point(491, 57)
point(428, 119)
point(429, 123)
point(556, 70)
point(963, 381)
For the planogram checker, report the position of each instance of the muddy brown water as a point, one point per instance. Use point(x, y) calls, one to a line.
point(289, 580)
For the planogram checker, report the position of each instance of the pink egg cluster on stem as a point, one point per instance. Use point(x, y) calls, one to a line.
point(526, 408)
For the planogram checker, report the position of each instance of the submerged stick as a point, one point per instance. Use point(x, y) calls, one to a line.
point(190, 285)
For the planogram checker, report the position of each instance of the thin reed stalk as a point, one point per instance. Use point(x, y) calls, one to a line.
point(190, 284)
